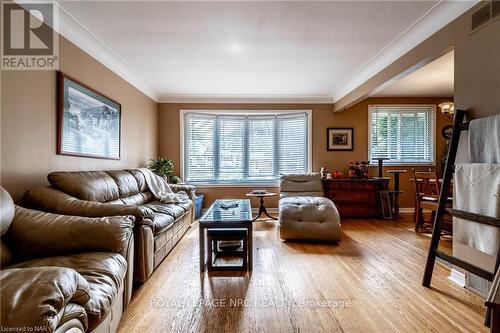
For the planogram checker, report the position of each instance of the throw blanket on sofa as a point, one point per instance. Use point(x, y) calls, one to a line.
point(159, 187)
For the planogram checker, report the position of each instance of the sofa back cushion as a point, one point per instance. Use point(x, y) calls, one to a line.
point(127, 184)
point(139, 177)
point(114, 186)
point(86, 185)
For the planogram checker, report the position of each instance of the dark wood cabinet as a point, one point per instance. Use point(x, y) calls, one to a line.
point(356, 198)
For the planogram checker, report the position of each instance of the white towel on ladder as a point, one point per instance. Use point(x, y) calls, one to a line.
point(484, 140)
point(477, 190)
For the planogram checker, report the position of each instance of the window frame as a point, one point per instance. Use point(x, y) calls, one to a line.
point(388, 163)
point(183, 112)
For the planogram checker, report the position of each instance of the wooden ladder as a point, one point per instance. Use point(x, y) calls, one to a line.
point(458, 126)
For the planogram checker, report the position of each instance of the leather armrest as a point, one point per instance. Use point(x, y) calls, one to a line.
point(189, 189)
point(51, 200)
point(37, 297)
point(36, 234)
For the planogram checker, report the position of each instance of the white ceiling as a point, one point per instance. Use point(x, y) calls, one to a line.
point(234, 51)
point(433, 80)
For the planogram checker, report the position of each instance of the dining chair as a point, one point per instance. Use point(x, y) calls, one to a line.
point(426, 189)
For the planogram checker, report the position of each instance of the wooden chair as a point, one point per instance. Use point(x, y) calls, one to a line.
point(426, 189)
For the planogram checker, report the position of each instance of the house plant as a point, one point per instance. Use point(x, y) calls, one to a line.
point(164, 167)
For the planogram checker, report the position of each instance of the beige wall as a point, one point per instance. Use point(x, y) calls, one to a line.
point(322, 117)
point(477, 71)
point(28, 121)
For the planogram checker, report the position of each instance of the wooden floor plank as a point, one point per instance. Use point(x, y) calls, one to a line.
point(370, 282)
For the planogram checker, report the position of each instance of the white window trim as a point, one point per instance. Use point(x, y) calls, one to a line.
point(245, 112)
point(374, 163)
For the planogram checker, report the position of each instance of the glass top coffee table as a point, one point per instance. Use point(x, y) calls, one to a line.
point(227, 213)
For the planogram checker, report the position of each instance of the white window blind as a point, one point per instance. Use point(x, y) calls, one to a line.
point(231, 156)
point(230, 148)
point(402, 133)
point(261, 148)
point(292, 143)
point(200, 147)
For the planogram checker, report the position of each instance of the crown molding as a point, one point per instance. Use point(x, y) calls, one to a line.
point(436, 18)
point(433, 20)
point(248, 99)
point(74, 31)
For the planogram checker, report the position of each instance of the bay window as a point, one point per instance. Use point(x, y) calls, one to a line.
point(244, 147)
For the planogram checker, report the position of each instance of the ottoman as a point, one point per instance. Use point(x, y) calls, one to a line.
point(309, 218)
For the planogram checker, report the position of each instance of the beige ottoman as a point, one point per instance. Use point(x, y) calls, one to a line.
point(309, 218)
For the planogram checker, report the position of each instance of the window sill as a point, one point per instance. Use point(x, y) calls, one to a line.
point(404, 164)
point(240, 185)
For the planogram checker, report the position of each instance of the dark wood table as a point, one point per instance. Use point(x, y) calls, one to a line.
point(356, 198)
point(217, 217)
point(262, 208)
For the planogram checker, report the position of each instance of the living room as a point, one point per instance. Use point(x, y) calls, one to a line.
point(318, 145)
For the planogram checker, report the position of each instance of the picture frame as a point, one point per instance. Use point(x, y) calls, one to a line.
point(88, 122)
point(340, 139)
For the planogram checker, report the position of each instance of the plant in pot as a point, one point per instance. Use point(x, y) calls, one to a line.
point(164, 167)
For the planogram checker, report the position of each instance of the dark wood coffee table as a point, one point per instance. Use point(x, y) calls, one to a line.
point(217, 217)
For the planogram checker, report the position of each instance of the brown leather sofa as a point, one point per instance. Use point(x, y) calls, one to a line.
point(63, 273)
point(159, 226)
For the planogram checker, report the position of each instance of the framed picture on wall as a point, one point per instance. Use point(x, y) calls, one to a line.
point(89, 123)
point(340, 139)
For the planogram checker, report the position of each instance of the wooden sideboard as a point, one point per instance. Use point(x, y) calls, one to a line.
point(356, 198)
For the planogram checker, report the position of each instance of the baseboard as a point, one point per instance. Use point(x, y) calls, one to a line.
point(276, 210)
point(457, 277)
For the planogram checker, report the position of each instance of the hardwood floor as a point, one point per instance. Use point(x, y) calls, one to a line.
point(370, 282)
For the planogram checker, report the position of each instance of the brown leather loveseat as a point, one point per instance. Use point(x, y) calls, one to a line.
point(159, 226)
point(63, 273)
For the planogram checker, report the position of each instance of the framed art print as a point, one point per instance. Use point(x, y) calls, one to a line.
point(340, 139)
point(89, 123)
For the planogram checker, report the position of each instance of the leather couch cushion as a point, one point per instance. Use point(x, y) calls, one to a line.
point(66, 234)
point(74, 311)
point(173, 210)
point(86, 185)
point(140, 179)
point(127, 184)
point(104, 272)
point(135, 199)
point(38, 296)
point(162, 222)
point(186, 205)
